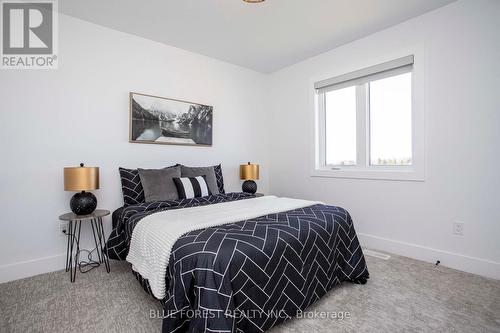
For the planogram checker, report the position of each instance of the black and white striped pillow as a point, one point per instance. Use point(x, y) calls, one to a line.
point(192, 187)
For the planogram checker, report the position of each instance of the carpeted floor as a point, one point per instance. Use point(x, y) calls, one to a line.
point(401, 295)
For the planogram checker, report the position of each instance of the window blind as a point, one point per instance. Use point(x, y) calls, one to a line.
point(389, 68)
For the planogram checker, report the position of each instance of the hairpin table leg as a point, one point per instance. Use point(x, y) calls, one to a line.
point(76, 239)
point(95, 229)
point(103, 252)
point(68, 254)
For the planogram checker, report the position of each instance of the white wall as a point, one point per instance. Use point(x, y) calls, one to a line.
point(55, 118)
point(462, 116)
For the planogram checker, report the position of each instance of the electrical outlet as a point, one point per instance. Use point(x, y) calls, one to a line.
point(63, 227)
point(458, 228)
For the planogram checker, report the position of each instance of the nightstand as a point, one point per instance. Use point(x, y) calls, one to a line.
point(73, 250)
point(259, 195)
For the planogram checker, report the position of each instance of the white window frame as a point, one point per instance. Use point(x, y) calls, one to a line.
point(363, 169)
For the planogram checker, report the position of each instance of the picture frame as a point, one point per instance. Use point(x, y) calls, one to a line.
point(167, 121)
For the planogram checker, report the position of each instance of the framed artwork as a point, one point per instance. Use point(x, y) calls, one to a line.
point(163, 120)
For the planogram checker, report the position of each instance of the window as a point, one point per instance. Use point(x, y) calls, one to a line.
point(389, 108)
point(340, 122)
point(366, 123)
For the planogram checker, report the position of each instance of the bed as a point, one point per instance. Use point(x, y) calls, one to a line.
point(242, 264)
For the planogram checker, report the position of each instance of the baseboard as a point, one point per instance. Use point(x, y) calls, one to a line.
point(461, 262)
point(33, 267)
point(483, 267)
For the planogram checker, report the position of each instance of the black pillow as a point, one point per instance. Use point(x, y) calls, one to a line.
point(132, 190)
point(219, 178)
point(192, 187)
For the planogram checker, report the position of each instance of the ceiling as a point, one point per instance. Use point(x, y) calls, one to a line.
point(264, 36)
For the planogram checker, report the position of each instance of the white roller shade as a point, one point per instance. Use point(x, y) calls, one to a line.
point(389, 68)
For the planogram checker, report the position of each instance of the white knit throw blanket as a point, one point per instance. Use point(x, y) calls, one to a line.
point(155, 235)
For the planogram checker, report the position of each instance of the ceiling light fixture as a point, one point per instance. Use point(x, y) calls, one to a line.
point(254, 1)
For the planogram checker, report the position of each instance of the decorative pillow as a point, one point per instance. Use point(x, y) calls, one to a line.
point(192, 187)
point(158, 184)
point(133, 193)
point(208, 172)
point(219, 178)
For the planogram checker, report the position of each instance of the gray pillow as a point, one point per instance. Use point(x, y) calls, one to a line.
point(158, 184)
point(208, 172)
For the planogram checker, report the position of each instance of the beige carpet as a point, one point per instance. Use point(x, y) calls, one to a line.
point(401, 295)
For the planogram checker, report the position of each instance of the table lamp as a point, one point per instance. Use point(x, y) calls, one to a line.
point(82, 179)
point(249, 172)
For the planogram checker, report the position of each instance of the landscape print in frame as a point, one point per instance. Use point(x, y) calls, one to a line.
point(164, 120)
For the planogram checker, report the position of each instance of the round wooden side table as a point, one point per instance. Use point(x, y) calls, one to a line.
point(73, 246)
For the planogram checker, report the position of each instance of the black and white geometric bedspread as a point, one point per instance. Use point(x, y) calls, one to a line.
point(125, 219)
point(251, 275)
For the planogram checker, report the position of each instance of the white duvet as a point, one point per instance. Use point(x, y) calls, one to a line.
point(155, 235)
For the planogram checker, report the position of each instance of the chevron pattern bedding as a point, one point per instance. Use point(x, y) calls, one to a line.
point(251, 275)
point(125, 218)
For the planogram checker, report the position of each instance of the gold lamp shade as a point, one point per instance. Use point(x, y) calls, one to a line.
point(249, 171)
point(81, 178)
